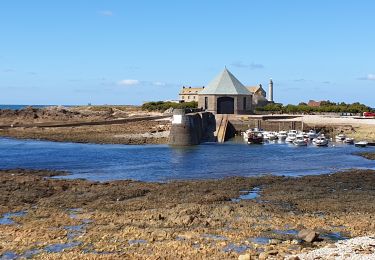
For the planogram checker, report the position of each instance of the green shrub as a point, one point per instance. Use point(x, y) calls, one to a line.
point(162, 106)
point(325, 107)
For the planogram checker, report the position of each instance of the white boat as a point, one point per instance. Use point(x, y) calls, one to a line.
point(282, 135)
point(320, 141)
point(340, 137)
point(349, 140)
point(272, 136)
point(361, 144)
point(291, 137)
point(312, 134)
point(299, 140)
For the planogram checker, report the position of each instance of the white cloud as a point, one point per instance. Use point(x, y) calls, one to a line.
point(106, 13)
point(252, 66)
point(128, 82)
point(158, 83)
point(368, 77)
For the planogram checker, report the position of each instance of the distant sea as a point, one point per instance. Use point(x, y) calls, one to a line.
point(17, 107)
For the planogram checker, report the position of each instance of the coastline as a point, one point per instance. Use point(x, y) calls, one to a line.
point(141, 132)
point(197, 219)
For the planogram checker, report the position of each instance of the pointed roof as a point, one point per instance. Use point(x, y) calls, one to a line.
point(225, 84)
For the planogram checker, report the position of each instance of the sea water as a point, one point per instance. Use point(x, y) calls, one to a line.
point(164, 163)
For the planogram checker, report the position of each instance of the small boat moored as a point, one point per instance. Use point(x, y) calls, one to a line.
point(340, 137)
point(320, 141)
point(312, 134)
point(291, 136)
point(253, 136)
point(349, 140)
point(361, 144)
point(299, 140)
point(282, 135)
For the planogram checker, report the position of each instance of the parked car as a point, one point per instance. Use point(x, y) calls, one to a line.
point(369, 114)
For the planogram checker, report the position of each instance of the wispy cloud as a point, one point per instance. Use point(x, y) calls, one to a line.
point(106, 13)
point(252, 66)
point(8, 70)
point(128, 82)
point(158, 83)
point(300, 80)
point(368, 77)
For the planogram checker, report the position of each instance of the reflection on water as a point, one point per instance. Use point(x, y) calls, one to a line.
point(163, 163)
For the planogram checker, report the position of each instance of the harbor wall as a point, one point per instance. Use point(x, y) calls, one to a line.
point(191, 129)
point(268, 125)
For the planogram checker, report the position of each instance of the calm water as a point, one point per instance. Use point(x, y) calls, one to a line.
point(18, 107)
point(162, 163)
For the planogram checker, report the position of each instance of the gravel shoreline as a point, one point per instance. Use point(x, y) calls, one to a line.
point(359, 248)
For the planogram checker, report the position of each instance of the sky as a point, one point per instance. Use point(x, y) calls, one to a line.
point(75, 52)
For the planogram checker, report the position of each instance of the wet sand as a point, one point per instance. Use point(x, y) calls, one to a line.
point(79, 219)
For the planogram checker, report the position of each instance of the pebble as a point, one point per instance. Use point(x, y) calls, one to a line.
point(244, 257)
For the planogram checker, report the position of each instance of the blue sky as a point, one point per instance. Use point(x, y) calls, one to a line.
point(127, 52)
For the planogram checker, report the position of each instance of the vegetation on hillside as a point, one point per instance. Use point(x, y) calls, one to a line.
point(325, 107)
point(162, 106)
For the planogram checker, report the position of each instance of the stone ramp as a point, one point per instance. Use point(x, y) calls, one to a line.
point(222, 125)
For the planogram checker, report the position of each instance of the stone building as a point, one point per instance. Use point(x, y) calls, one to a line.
point(259, 95)
point(188, 94)
point(226, 95)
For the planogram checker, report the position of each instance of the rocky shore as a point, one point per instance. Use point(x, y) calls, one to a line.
point(233, 218)
point(133, 132)
point(367, 155)
point(140, 132)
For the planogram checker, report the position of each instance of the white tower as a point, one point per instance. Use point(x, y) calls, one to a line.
point(270, 91)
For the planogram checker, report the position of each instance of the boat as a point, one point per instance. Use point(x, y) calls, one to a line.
point(340, 137)
point(255, 138)
point(246, 133)
point(299, 140)
point(265, 135)
point(361, 144)
point(272, 136)
point(291, 136)
point(320, 141)
point(312, 134)
point(282, 135)
point(349, 140)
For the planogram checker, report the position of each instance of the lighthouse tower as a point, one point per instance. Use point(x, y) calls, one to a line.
point(270, 91)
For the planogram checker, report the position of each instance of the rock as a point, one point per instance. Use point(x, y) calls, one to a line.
point(294, 242)
point(308, 235)
point(244, 257)
point(168, 111)
point(226, 210)
point(274, 241)
point(263, 256)
point(272, 252)
point(159, 234)
point(294, 258)
point(185, 220)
